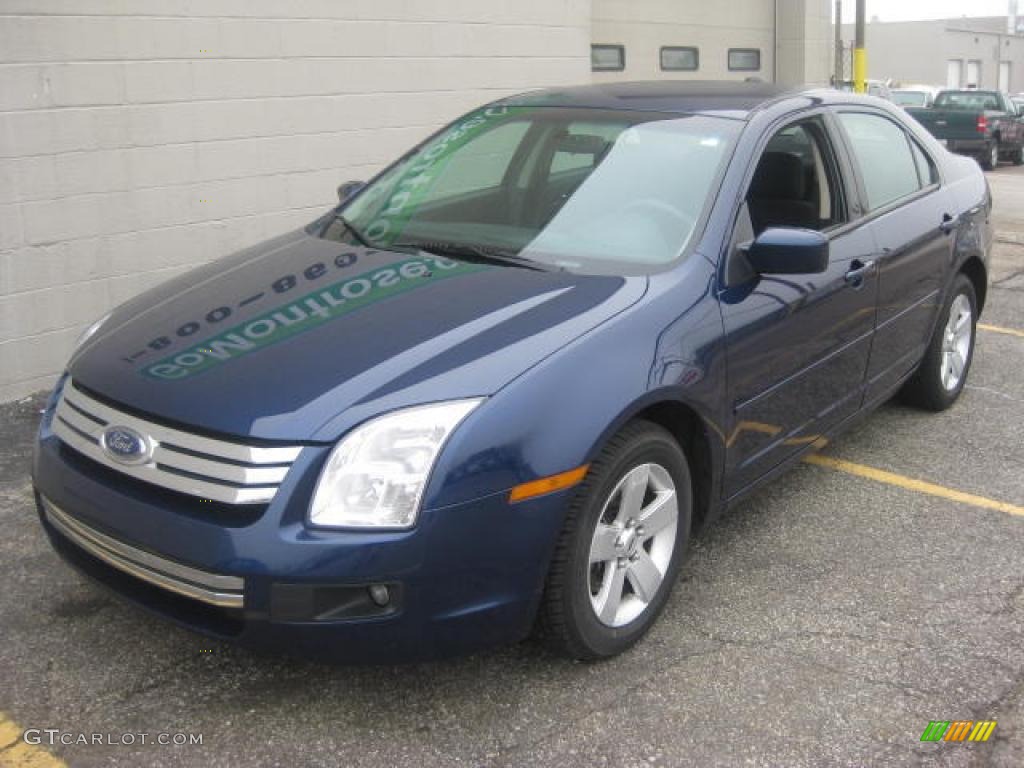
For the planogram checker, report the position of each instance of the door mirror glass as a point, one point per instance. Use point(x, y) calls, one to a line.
point(349, 188)
point(785, 251)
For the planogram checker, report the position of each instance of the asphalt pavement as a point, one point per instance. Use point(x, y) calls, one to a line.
point(825, 621)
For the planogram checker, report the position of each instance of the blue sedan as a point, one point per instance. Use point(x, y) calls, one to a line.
point(501, 385)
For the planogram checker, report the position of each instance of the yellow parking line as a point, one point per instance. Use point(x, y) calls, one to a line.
point(15, 753)
point(9, 732)
point(1000, 329)
point(920, 486)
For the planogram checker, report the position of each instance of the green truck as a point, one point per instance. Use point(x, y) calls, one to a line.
point(984, 124)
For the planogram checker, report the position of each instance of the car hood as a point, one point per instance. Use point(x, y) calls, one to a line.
point(299, 338)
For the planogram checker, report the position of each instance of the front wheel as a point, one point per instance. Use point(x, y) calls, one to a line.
point(621, 547)
point(942, 374)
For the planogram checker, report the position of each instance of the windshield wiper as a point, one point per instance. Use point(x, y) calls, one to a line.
point(355, 231)
point(479, 253)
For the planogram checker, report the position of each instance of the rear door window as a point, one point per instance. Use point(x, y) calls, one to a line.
point(926, 171)
point(883, 155)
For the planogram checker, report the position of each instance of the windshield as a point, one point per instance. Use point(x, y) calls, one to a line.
point(910, 98)
point(577, 189)
point(977, 100)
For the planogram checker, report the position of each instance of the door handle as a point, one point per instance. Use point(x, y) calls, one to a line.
point(949, 223)
point(858, 269)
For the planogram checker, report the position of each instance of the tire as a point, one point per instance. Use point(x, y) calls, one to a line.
point(1018, 156)
point(990, 160)
point(581, 614)
point(935, 385)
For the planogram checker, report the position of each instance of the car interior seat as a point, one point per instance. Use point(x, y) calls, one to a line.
point(778, 194)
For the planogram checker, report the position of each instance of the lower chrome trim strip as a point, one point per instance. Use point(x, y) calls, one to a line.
point(211, 588)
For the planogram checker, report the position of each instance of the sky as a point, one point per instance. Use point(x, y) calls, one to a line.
point(905, 10)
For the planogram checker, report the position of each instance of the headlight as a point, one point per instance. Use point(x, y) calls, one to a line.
point(89, 332)
point(376, 475)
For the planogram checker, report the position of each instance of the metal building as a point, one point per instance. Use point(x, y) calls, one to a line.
point(985, 52)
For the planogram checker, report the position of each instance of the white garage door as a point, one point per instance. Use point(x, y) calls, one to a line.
point(973, 74)
point(954, 73)
point(1004, 76)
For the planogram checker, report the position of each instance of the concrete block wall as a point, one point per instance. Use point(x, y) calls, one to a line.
point(139, 138)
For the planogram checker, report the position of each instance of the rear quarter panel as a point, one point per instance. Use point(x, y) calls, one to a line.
point(969, 189)
point(1009, 128)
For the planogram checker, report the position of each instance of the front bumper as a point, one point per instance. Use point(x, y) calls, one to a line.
point(466, 577)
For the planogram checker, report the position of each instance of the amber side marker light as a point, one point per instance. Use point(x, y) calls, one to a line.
point(548, 484)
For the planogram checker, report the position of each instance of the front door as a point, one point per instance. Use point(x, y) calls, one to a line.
point(798, 345)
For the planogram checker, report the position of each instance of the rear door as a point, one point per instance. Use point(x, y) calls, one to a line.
point(798, 345)
point(913, 220)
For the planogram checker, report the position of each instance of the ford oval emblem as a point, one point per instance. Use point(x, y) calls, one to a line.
point(125, 445)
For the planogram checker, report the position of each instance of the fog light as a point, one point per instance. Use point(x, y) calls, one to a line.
point(380, 594)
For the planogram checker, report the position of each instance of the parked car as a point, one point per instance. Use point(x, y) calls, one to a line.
point(914, 96)
point(983, 124)
point(504, 383)
point(877, 88)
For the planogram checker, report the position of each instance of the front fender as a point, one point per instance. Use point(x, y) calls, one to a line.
point(559, 414)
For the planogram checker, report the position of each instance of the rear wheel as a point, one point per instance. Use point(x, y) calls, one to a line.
point(940, 379)
point(1018, 156)
point(621, 547)
point(990, 160)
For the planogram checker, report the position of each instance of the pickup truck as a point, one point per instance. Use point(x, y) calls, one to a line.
point(983, 124)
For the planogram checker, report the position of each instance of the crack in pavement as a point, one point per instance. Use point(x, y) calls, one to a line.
point(166, 674)
point(998, 283)
point(991, 391)
point(718, 645)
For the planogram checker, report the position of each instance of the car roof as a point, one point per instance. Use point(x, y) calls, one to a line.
point(728, 99)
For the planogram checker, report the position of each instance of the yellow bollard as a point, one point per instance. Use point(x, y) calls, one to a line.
point(860, 70)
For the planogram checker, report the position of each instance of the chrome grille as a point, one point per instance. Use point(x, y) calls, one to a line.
point(219, 470)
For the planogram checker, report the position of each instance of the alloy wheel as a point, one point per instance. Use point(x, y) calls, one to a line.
point(956, 342)
point(632, 544)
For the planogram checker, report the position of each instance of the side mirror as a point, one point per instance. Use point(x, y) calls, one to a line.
point(349, 188)
point(783, 251)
